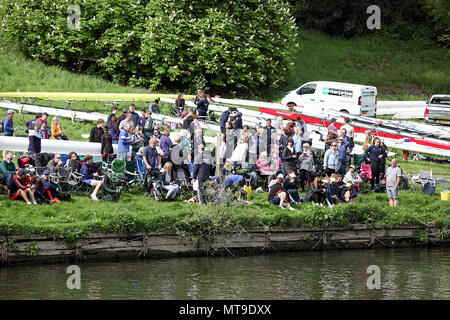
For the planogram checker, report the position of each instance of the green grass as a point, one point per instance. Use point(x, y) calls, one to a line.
point(136, 213)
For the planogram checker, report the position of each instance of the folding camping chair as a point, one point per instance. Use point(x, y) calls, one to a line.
point(424, 179)
point(111, 188)
point(366, 172)
point(358, 160)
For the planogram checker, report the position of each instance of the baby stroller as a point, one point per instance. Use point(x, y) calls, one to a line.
point(152, 185)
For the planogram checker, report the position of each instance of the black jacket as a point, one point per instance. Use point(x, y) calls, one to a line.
point(274, 189)
point(106, 144)
point(290, 163)
point(202, 166)
point(96, 134)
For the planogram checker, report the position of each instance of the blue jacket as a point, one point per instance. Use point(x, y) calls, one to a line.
point(8, 127)
point(87, 171)
point(202, 106)
point(124, 142)
point(223, 119)
point(165, 144)
point(343, 151)
point(373, 152)
point(238, 123)
point(141, 122)
point(114, 132)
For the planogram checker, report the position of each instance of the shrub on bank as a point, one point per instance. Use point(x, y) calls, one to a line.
point(159, 43)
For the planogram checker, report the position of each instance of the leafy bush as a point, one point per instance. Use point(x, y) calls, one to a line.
point(241, 45)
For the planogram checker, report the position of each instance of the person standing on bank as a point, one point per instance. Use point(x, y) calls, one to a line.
point(97, 132)
point(202, 168)
point(393, 177)
point(374, 155)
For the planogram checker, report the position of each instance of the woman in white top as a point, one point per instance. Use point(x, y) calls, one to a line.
point(165, 176)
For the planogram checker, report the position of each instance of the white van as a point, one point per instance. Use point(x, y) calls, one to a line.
point(355, 99)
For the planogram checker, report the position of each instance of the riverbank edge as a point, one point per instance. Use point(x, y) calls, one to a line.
point(16, 250)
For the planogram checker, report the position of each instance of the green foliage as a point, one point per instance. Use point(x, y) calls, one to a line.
point(32, 249)
point(402, 19)
point(243, 45)
point(439, 11)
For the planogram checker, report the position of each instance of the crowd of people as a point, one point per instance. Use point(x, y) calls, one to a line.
point(277, 157)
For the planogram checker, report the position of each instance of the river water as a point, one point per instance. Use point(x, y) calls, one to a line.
point(404, 274)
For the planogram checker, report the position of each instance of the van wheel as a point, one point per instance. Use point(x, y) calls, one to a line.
point(344, 111)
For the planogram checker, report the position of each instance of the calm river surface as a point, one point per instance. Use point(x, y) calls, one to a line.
point(405, 274)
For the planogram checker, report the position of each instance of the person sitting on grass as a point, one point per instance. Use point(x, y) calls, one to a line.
point(335, 188)
point(317, 191)
point(89, 173)
point(349, 193)
point(47, 188)
point(20, 190)
point(165, 176)
point(352, 176)
point(291, 185)
point(7, 170)
point(279, 195)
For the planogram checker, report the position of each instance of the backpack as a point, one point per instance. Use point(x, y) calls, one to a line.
point(23, 161)
point(1, 126)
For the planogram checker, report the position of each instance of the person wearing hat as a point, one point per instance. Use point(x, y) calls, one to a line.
point(332, 126)
point(291, 185)
point(352, 176)
point(20, 189)
point(8, 124)
point(49, 190)
point(349, 193)
point(278, 195)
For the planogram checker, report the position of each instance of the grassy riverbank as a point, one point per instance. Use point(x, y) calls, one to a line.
point(136, 213)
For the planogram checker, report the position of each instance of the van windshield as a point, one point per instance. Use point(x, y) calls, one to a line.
point(307, 89)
